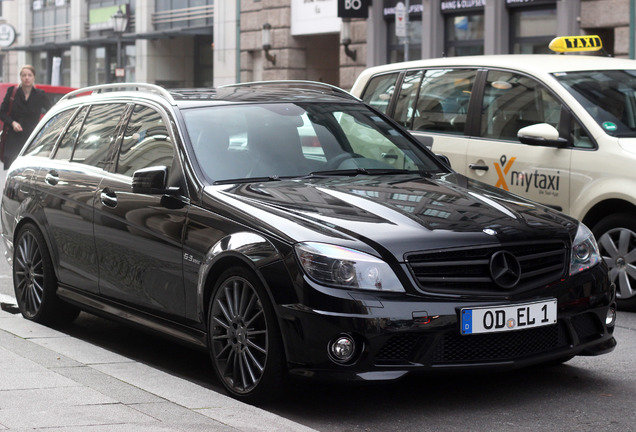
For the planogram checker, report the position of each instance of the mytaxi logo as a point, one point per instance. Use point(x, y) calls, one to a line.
point(502, 170)
point(535, 181)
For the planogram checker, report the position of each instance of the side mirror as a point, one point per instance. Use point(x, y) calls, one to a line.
point(541, 134)
point(425, 140)
point(151, 181)
point(444, 159)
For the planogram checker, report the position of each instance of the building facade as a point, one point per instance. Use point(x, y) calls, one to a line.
point(185, 43)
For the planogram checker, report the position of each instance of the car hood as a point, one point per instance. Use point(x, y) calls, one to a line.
point(396, 214)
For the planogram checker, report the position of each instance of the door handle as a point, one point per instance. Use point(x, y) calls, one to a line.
point(478, 167)
point(108, 198)
point(52, 178)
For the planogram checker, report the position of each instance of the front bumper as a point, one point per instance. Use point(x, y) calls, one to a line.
point(398, 334)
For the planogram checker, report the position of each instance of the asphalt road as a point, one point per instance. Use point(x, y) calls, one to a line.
point(584, 394)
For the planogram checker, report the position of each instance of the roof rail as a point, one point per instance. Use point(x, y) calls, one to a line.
point(150, 88)
point(300, 84)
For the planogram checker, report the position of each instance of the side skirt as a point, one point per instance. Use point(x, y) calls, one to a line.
point(146, 322)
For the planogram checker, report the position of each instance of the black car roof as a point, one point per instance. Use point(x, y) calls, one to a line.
point(264, 91)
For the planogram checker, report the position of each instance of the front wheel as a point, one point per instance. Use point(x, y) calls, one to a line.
point(616, 235)
point(243, 338)
point(34, 280)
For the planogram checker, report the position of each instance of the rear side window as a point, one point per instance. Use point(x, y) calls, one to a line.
point(90, 136)
point(379, 91)
point(513, 101)
point(442, 101)
point(65, 149)
point(43, 143)
point(98, 134)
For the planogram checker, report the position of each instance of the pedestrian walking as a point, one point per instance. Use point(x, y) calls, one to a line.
point(20, 111)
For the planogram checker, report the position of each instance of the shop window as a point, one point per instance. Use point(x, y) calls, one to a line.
point(397, 47)
point(464, 34)
point(532, 30)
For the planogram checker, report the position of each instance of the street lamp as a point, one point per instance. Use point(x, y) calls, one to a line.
point(266, 40)
point(120, 21)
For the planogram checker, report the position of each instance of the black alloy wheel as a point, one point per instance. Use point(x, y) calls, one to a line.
point(34, 280)
point(244, 340)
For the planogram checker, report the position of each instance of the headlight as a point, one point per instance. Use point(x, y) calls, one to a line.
point(585, 252)
point(346, 268)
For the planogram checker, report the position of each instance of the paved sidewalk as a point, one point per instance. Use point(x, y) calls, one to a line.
point(52, 381)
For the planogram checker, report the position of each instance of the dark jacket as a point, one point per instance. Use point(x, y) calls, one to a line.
point(25, 112)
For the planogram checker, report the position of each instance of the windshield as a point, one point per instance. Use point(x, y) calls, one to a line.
point(283, 140)
point(609, 96)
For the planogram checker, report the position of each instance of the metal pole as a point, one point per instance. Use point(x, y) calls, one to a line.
point(118, 79)
point(406, 40)
point(632, 18)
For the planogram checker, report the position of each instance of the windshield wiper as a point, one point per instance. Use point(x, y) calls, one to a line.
point(249, 180)
point(329, 173)
point(363, 171)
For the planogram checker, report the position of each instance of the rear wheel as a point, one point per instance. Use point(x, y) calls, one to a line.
point(616, 235)
point(244, 339)
point(34, 280)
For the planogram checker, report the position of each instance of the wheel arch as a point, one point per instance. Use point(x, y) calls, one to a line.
point(33, 221)
point(250, 250)
point(606, 207)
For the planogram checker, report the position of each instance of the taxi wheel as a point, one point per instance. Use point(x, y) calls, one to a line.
point(34, 280)
point(616, 235)
point(243, 338)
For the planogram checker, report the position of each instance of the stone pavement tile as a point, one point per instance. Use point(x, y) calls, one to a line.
point(108, 385)
point(182, 418)
point(253, 419)
point(138, 427)
point(48, 397)
point(60, 416)
point(80, 350)
point(35, 353)
point(169, 387)
point(16, 372)
point(204, 401)
point(26, 329)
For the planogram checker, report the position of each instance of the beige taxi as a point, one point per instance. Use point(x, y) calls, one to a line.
point(559, 129)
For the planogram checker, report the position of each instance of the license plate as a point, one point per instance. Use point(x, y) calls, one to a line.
point(491, 319)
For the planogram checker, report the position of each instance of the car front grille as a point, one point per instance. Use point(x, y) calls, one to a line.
point(450, 348)
point(498, 347)
point(468, 271)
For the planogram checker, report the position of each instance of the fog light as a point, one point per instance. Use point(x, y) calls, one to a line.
point(343, 349)
point(610, 319)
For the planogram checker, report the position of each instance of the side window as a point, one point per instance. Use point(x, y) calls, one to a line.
point(65, 148)
point(442, 105)
point(43, 143)
point(146, 142)
point(98, 134)
point(512, 102)
point(405, 107)
point(579, 136)
point(379, 91)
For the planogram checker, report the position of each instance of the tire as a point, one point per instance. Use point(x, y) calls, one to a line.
point(616, 236)
point(34, 280)
point(244, 338)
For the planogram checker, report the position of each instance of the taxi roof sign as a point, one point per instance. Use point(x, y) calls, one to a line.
point(576, 43)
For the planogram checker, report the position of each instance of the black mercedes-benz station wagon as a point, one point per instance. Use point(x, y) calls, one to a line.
point(290, 229)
